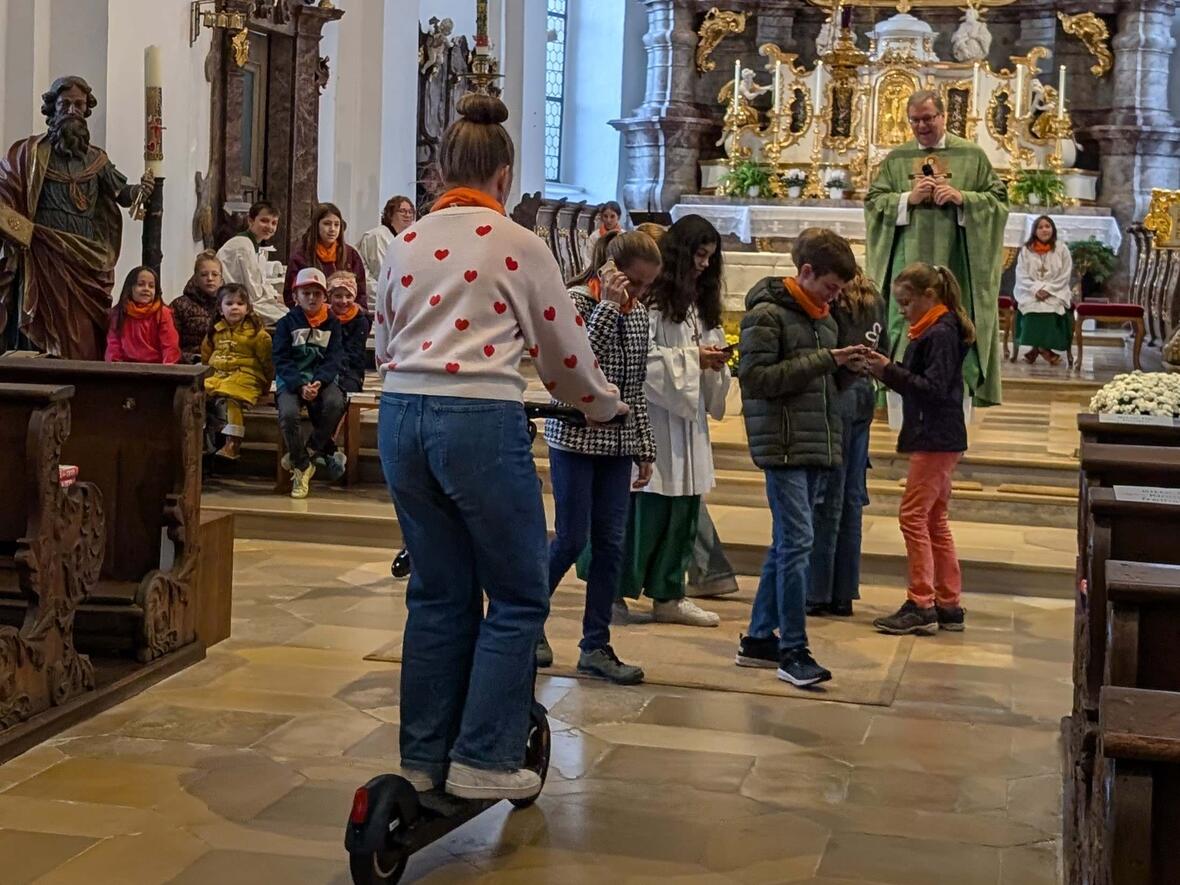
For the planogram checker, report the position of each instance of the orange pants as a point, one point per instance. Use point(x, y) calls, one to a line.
point(930, 547)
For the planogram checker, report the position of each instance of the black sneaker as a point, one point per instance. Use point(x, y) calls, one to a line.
point(761, 653)
point(604, 663)
point(401, 565)
point(799, 668)
point(818, 609)
point(544, 653)
point(951, 618)
point(909, 619)
point(841, 610)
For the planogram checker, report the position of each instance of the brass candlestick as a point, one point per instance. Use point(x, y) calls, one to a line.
point(815, 188)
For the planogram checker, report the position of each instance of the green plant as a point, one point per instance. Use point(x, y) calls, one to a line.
point(795, 178)
point(836, 182)
point(1042, 183)
point(1094, 258)
point(744, 176)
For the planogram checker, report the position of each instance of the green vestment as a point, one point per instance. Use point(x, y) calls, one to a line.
point(973, 251)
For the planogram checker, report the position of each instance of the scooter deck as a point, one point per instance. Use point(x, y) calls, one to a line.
point(438, 814)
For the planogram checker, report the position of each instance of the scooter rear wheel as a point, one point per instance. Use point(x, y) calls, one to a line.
point(377, 867)
point(537, 753)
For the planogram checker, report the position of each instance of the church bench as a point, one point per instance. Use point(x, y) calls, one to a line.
point(1127, 429)
point(136, 435)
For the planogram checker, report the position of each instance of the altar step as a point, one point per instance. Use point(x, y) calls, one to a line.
point(1017, 559)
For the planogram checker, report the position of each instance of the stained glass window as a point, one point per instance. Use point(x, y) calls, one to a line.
point(555, 88)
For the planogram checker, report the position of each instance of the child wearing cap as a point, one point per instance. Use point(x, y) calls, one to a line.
point(354, 325)
point(308, 357)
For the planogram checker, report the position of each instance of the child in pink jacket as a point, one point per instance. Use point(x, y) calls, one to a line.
point(141, 329)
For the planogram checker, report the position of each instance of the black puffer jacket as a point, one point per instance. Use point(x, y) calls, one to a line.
point(930, 381)
point(787, 375)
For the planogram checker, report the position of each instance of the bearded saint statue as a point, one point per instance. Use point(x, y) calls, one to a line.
point(55, 281)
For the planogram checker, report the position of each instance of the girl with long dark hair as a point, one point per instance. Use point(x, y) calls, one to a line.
point(323, 247)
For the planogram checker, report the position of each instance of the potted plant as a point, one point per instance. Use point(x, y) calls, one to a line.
point(1094, 262)
point(747, 179)
point(837, 186)
point(1037, 187)
point(795, 180)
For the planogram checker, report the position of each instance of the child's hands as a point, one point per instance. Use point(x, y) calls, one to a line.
point(310, 391)
point(876, 363)
point(713, 358)
point(845, 355)
point(644, 477)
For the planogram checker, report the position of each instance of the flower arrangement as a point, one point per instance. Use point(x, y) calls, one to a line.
point(747, 179)
point(1140, 393)
point(836, 182)
point(795, 178)
point(1037, 187)
point(732, 339)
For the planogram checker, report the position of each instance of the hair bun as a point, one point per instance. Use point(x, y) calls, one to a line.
point(485, 110)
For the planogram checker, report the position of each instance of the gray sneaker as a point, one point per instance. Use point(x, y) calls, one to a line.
point(605, 664)
point(467, 782)
point(620, 614)
point(910, 618)
point(544, 653)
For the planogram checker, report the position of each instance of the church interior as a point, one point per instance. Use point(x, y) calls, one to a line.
point(201, 661)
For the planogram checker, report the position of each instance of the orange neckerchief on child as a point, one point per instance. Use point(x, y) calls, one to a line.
point(594, 284)
point(1041, 248)
point(805, 301)
point(140, 312)
point(327, 254)
point(467, 196)
point(317, 319)
point(349, 315)
point(928, 319)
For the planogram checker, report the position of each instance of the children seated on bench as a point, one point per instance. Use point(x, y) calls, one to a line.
point(238, 349)
point(141, 329)
point(354, 325)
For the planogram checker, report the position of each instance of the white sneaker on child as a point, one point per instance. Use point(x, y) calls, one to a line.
point(683, 611)
point(468, 782)
point(301, 481)
point(419, 780)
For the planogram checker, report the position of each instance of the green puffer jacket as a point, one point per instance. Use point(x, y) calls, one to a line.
point(788, 380)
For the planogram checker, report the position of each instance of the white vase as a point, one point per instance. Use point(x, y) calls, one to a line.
point(794, 192)
point(1034, 199)
point(835, 193)
point(753, 191)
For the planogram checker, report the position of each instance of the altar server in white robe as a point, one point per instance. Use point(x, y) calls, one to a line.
point(687, 382)
point(397, 215)
point(1044, 271)
point(240, 262)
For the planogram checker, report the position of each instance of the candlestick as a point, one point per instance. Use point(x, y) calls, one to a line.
point(778, 97)
point(481, 22)
point(976, 85)
point(737, 85)
point(817, 90)
point(1061, 92)
point(153, 139)
point(1018, 105)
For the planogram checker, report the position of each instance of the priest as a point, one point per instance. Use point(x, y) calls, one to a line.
point(937, 199)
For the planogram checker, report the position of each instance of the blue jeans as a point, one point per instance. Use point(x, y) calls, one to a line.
point(462, 478)
point(593, 495)
point(835, 561)
point(782, 590)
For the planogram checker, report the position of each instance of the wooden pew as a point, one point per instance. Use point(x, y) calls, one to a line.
point(137, 436)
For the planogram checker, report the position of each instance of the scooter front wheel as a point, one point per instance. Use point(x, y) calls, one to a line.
point(377, 867)
point(537, 752)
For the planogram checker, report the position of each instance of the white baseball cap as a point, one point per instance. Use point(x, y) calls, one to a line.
point(311, 276)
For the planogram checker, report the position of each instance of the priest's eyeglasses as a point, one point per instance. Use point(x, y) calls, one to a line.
point(925, 121)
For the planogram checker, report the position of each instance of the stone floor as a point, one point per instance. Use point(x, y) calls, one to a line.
point(241, 769)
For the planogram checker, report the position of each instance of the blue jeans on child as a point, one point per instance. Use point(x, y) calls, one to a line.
point(835, 561)
point(462, 478)
point(780, 603)
point(593, 494)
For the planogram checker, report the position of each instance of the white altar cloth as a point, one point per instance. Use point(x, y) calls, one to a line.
point(750, 222)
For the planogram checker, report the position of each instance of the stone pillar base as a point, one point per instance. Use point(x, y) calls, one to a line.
point(663, 154)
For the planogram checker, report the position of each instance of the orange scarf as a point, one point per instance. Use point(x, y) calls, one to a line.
point(349, 315)
point(929, 319)
point(1041, 248)
point(317, 319)
point(595, 286)
point(466, 196)
point(141, 312)
point(327, 254)
point(805, 301)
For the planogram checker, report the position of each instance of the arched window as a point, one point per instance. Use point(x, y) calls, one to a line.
point(555, 88)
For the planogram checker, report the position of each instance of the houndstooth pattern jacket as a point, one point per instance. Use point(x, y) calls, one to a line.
point(620, 343)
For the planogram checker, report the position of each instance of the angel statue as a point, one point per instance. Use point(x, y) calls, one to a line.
point(437, 44)
point(748, 91)
point(972, 40)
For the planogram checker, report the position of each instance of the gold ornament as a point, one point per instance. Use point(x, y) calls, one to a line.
point(1092, 31)
point(1160, 215)
point(718, 25)
point(893, 94)
point(241, 45)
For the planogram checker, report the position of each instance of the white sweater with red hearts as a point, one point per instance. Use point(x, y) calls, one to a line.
point(462, 294)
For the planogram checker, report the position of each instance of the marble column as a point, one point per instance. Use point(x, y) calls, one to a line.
point(663, 136)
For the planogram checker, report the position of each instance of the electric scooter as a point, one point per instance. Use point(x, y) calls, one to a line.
point(390, 820)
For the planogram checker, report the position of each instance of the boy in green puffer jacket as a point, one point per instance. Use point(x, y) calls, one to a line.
point(787, 372)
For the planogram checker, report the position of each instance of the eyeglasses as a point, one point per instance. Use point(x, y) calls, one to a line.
point(924, 121)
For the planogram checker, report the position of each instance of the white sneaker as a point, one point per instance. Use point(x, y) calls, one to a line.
point(467, 782)
point(301, 481)
point(419, 780)
point(683, 611)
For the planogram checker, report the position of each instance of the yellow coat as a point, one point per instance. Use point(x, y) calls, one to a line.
point(241, 361)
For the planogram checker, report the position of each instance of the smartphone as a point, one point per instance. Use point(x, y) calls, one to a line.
point(728, 349)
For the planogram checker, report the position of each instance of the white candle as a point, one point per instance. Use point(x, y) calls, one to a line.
point(1061, 92)
point(153, 79)
point(737, 83)
point(1019, 103)
point(818, 88)
point(778, 79)
point(976, 85)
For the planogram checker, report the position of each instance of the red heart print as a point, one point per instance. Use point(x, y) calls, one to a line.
point(533, 351)
point(588, 399)
point(571, 361)
point(407, 281)
point(392, 367)
point(511, 263)
point(380, 319)
point(550, 385)
point(453, 368)
point(483, 230)
point(410, 237)
point(500, 307)
point(441, 254)
point(434, 300)
point(578, 319)
point(596, 364)
point(426, 345)
point(461, 325)
point(489, 350)
point(471, 275)
point(550, 314)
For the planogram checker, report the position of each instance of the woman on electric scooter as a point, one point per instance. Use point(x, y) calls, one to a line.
point(462, 294)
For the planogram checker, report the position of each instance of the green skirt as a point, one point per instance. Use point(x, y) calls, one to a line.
point(1047, 331)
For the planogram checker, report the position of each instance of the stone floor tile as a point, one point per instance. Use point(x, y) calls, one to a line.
point(897, 861)
point(141, 859)
point(102, 781)
point(1031, 864)
point(711, 772)
point(230, 728)
point(247, 868)
point(25, 856)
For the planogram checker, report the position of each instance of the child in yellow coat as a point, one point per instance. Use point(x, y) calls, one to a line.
point(238, 349)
